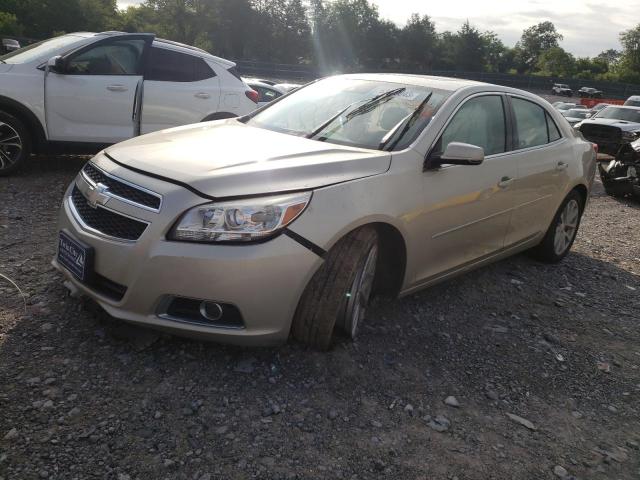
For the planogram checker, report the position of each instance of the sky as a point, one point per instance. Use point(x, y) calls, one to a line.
point(588, 26)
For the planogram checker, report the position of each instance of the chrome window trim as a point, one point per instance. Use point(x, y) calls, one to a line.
point(78, 218)
point(126, 182)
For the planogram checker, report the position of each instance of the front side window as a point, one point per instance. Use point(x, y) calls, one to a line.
point(170, 66)
point(480, 122)
point(355, 112)
point(118, 57)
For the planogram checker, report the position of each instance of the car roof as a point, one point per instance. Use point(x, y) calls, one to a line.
point(445, 83)
point(634, 97)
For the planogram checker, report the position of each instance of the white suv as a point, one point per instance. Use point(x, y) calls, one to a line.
point(84, 91)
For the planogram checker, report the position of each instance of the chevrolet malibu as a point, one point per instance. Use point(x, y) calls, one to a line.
point(285, 222)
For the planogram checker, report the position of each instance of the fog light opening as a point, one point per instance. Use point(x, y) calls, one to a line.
point(211, 311)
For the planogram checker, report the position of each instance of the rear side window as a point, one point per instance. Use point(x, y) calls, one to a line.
point(531, 123)
point(480, 122)
point(169, 66)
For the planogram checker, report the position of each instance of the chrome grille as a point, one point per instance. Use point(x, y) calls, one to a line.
point(106, 222)
point(126, 191)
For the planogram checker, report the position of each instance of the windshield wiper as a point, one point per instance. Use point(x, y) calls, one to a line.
point(364, 108)
point(408, 123)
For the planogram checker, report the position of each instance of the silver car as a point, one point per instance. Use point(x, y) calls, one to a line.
point(285, 222)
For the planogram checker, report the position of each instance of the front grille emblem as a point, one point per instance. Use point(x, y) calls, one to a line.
point(97, 195)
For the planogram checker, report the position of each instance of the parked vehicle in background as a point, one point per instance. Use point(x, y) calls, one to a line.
point(596, 108)
point(612, 128)
point(288, 87)
point(588, 92)
point(8, 45)
point(89, 90)
point(260, 80)
point(286, 221)
point(266, 93)
point(632, 101)
point(575, 115)
point(561, 89)
point(621, 176)
point(561, 106)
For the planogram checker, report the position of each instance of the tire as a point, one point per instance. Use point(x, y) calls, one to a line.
point(15, 144)
point(552, 249)
point(335, 295)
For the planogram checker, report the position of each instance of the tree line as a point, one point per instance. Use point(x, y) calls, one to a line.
point(334, 35)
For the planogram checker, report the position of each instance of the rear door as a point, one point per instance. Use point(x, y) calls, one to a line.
point(93, 98)
point(179, 88)
point(542, 155)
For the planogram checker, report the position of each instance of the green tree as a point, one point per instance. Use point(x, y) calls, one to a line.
point(556, 62)
point(629, 66)
point(9, 24)
point(498, 57)
point(469, 49)
point(535, 40)
point(418, 42)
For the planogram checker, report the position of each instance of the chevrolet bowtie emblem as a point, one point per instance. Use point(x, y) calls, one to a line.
point(97, 195)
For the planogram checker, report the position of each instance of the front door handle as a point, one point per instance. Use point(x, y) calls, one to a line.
point(505, 182)
point(203, 95)
point(562, 166)
point(117, 88)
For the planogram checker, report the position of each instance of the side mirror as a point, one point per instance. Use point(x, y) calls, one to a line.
point(56, 64)
point(458, 153)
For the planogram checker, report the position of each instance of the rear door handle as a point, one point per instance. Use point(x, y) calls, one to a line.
point(505, 182)
point(562, 166)
point(202, 95)
point(117, 88)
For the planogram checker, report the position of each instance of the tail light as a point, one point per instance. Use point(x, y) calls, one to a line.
point(252, 95)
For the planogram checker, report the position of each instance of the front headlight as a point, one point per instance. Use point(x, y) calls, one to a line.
point(241, 220)
point(629, 136)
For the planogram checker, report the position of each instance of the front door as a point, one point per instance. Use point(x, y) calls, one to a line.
point(94, 96)
point(468, 208)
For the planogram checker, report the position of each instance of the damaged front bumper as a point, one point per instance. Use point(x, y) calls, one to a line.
point(620, 175)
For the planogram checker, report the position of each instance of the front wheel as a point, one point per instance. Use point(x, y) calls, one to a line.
point(561, 234)
point(15, 144)
point(338, 294)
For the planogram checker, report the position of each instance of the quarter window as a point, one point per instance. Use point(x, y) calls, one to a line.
point(169, 66)
point(480, 122)
point(534, 125)
point(120, 57)
point(554, 133)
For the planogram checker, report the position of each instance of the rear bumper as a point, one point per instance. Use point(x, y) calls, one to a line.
point(264, 281)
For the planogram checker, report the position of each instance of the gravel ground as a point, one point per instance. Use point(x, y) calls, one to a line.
point(542, 363)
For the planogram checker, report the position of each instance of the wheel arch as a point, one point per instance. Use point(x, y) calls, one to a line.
point(583, 191)
point(25, 115)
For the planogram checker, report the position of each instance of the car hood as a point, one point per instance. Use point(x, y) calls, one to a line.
point(612, 122)
point(228, 158)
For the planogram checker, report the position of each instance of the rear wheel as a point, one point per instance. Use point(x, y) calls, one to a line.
point(561, 234)
point(15, 144)
point(339, 292)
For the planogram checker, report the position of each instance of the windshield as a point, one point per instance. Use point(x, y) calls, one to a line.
point(617, 113)
point(40, 50)
point(361, 113)
point(632, 103)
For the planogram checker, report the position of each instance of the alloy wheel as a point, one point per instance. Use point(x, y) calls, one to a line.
point(567, 227)
point(359, 293)
point(10, 146)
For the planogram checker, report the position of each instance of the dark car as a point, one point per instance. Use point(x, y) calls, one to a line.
point(588, 92)
point(616, 130)
point(561, 89)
